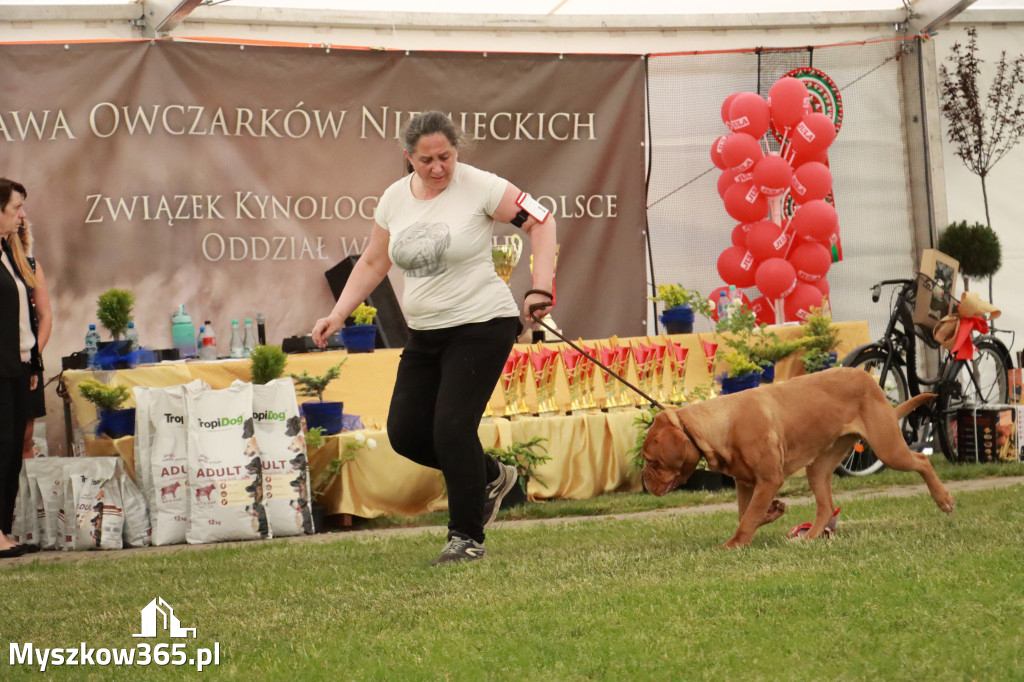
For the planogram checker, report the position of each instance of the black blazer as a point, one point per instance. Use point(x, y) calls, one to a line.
point(10, 331)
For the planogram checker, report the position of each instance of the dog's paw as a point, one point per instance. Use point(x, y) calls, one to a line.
point(947, 505)
point(776, 509)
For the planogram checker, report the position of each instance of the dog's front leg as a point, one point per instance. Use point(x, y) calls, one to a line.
point(744, 491)
point(756, 512)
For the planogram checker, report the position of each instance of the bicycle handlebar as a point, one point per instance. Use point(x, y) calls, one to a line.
point(876, 290)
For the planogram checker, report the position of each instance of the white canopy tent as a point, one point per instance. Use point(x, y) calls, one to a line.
point(640, 27)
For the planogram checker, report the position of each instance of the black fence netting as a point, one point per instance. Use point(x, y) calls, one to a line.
point(877, 164)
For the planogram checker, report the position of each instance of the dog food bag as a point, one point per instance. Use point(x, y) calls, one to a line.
point(166, 481)
point(143, 436)
point(278, 426)
point(93, 515)
point(225, 473)
point(137, 530)
point(46, 482)
point(25, 527)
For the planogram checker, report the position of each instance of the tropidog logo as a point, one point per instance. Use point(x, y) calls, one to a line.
point(220, 423)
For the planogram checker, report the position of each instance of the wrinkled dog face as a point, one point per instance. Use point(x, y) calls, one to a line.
point(669, 455)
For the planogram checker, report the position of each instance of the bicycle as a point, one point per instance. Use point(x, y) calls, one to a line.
point(958, 384)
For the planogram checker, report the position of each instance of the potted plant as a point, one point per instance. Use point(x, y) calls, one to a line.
point(748, 348)
point(975, 246)
point(679, 307)
point(325, 477)
point(361, 336)
point(267, 363)
point(819, 341)
point(326, 415)
point(523, 456)
point(114, 421)
point(114, 312)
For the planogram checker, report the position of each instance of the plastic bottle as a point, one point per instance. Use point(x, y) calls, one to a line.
point(131, 335)
point(261, 328)
point(250, 338)
point(723, 306)
point(199, 340)
point(92, 344)
point(184, 333)
point(237, 349)
point(209, 349)
point(733, 296)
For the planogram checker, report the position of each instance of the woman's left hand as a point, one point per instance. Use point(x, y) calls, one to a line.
point(536, 305)
point(33, 383)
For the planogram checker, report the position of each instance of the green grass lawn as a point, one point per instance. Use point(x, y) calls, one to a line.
point(903, 592)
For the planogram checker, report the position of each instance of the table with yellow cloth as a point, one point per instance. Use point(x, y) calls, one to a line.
point(588, 448)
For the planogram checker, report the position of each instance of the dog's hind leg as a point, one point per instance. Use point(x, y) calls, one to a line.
point(882, 432)
point(819, 478)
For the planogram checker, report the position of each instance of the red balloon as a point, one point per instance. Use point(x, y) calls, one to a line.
point(772, 175)
point(813, 134)
point(789, 101)
point(748, 113)
point(823, 286)
point(736, 266)
point(716, 152)
point(811, 261)
point(775, 278)
point(816, 220)
point(763, 310)
point(725, 107)
point(801, 300)
point(741, 151)
point(744, 203)
point(730, 177)
point(739, 234)
point(811, 181)
point(717, 293)
point(766, 240)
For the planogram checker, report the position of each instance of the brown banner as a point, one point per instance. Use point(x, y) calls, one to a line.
point(231, 178)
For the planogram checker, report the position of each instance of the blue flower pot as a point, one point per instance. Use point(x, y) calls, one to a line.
point(326, 415)
point(740, 383)
point(678, 320)
point(359, 338)
point(116, 423)
point(768, 374)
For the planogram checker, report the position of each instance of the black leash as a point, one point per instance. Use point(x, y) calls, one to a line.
point(533, 316)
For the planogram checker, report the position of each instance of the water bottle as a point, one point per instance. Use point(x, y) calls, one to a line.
point(723, 306)
point(237, 349)
point(184, 333)
point(250, 338)
point(261, 328)
point(199, 340)
point(733, 296)
point(131, 337)
point(92, 344)
point(209, 349)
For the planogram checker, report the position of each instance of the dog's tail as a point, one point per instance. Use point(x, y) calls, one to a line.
point(905, 408)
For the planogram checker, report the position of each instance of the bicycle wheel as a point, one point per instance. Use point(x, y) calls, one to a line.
point(968, 384)
point(862, 460)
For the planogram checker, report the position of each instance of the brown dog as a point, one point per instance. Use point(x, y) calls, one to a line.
point(760, 436)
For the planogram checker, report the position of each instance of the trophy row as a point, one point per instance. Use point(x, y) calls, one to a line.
point(529, 378)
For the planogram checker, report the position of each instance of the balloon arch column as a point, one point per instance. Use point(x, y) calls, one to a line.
point(779, 189)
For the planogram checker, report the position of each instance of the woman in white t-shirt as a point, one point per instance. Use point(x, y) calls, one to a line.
point(436, 224)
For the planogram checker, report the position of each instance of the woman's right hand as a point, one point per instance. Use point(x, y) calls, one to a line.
point(325, 328)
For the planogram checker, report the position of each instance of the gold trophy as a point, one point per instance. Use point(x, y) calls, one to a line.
point(506, 255)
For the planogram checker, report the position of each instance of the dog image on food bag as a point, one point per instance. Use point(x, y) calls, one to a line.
point(762, 435)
